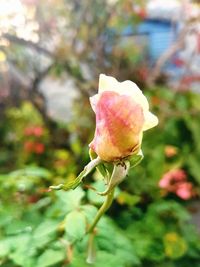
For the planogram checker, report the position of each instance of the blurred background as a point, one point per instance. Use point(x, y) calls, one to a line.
point(51, 55)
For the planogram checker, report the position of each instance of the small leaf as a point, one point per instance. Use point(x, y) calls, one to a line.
point(20, 251)
point(136, 159)
point(75, 226)
point(70, 200)
point(45, 233)
point(90, 211)
point(31, 171)
point(45, 228)
point(76, 182)
point(119, 173)
point(50, 257)
point(93, 196)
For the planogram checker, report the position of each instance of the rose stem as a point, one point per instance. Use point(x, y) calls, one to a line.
point(106, 205)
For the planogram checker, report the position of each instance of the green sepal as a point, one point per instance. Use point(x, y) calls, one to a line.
point(135, 159)
point(119, 173)
point(76, 182)
point(101, 168)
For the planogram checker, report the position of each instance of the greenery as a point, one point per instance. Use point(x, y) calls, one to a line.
point(147, 226)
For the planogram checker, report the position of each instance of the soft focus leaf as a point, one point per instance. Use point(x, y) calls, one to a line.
point(77, 181)
point(45, 233)
point(50, 257)
point(136, 159)
point(75, 225)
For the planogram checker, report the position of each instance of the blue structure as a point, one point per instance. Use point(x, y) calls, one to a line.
point(159, 36)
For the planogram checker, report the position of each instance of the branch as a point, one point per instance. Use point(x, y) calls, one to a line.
point(20, 78)
point(36, 97)
point(30, 87)
point(30, 44)
point(48, 53)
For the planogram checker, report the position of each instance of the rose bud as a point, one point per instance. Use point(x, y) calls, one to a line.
point(122, 114)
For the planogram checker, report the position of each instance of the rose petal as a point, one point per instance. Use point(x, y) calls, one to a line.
point(119, 123)
point(131, 89)
point(184, 190)
point(150, 121)
point(108, 83)
point(93, 101)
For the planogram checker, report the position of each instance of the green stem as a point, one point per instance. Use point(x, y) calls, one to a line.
point(106, 205)
point(91, 253)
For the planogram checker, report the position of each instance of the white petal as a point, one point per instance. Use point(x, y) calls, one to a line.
point(150, 120)
point(93, 101)
point(107, 83)
point(131, 89)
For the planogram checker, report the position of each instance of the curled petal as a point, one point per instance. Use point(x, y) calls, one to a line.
point(150, 121)
point(93, 101)
point(108, 83)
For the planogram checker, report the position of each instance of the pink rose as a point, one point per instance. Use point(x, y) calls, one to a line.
point(175, 181)
point(122, 114)
point(171, 178)
point(185, 190)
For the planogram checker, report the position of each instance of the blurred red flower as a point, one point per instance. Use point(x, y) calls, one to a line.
point(34, 130)
point(34, 147)
point(38, 131)
point(29, 146)
point(39, 148)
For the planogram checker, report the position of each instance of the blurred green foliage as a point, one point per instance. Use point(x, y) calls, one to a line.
point(145, 226)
